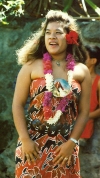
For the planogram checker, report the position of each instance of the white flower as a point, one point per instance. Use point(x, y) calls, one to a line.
point(70, 76)
point(49, 82)
point(55, 118)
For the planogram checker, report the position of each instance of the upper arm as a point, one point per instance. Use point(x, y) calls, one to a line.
point(84, 104)
point(22, 86)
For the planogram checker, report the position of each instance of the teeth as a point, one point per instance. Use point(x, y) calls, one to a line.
point(53, 43)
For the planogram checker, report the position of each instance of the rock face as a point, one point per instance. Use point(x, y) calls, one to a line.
point(10, 40)
point(90, 154)
point(94, 39)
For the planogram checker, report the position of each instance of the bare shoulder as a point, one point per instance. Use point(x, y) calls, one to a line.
point(26, 69)
point(24, 75)
point(32, 69)
point(81, 72)
point(37, 69)
point(81, 67)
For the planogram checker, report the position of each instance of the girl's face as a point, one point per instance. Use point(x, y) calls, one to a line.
point(55, 40)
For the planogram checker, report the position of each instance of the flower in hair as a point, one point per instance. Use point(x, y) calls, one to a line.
point(72, 37)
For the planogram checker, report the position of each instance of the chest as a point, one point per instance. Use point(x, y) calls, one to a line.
point(59, 71)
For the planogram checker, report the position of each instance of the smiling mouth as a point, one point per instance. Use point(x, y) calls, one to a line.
point(53, 44)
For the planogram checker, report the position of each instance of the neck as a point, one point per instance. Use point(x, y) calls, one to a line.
point(92, 71)
point(59, 57)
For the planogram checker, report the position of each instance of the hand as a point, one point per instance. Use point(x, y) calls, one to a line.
point(30, 150)
point(64, 154)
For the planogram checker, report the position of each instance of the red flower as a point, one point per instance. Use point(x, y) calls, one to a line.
point(72, 37)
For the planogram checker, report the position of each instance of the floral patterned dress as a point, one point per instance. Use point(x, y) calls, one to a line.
point(49, 137)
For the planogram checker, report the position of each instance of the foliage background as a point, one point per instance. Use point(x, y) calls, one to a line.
point(30, 9)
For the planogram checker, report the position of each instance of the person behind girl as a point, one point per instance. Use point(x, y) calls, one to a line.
point(59, 85)
point(92, 61)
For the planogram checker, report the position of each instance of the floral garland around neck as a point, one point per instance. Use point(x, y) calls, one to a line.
point(47, 110)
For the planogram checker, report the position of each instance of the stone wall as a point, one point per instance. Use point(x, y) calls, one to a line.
point(10, 40)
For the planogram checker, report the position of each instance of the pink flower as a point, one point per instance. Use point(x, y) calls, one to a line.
point(70, 62)
point(47, 98)
point(71, 65)
point(47, 63)
point(63, 104)
point(46, 56)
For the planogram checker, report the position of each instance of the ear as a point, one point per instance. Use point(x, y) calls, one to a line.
point(94, 60)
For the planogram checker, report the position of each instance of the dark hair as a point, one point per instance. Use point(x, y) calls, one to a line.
point(94, 52)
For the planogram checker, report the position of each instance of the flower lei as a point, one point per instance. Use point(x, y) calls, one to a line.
point(72, 37)
point(50, 87)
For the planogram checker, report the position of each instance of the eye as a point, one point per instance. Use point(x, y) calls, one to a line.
point(47, 32)
point(58, 32)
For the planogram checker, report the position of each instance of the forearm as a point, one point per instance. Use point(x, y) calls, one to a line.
point(79, 126)
point(20, 122)
point(95, 114)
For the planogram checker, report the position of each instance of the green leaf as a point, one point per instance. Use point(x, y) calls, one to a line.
point(67, 4)
point(5, 23)
point(94, 7)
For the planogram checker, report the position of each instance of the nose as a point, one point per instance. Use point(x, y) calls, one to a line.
point(52, 35)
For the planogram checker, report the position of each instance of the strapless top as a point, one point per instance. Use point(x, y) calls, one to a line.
point(37, 89)
point(67, 119)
